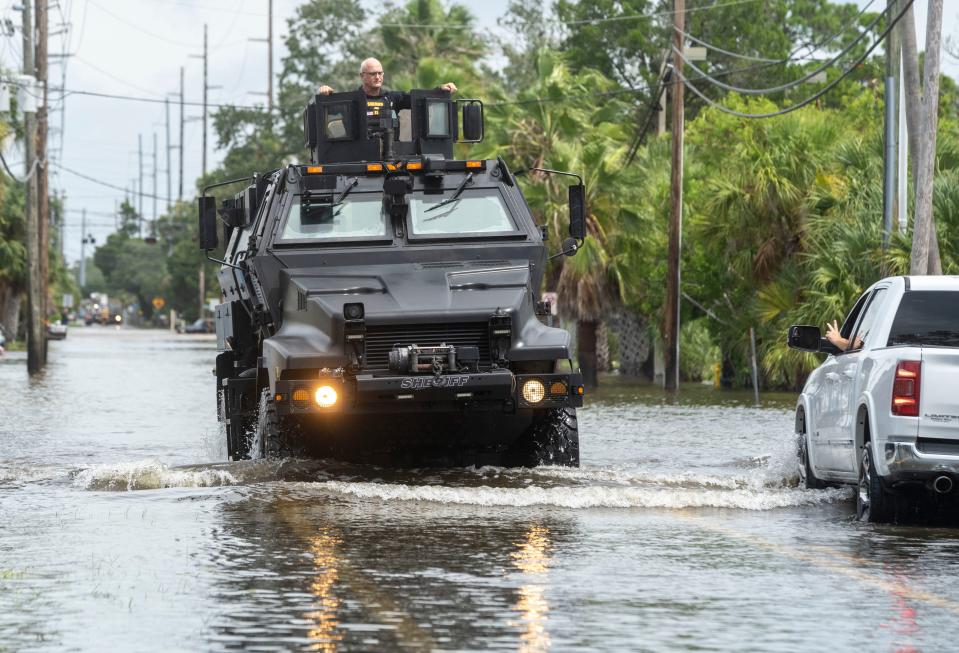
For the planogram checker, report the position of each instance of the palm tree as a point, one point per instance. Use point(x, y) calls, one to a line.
point(557, 123)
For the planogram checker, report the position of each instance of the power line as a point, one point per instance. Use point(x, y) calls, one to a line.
point(33, 170)
point(133, 98)
point(107, 184)
point(788, 58)
point(138, 28)
point(584, 21)
point(812, 98)
point(111, 75)
point(793, 84)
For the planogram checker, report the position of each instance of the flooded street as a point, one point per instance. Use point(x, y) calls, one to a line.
point(123, 528)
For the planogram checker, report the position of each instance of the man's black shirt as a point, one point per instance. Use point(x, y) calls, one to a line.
point(385, 102)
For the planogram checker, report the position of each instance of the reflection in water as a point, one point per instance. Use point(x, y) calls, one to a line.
point(325, 633)
point(532, 559)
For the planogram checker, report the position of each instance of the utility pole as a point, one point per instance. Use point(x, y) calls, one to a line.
point(903, 156)
point(890, 132)
point(671, 323)
point(154, 184)
point(140, 185)
point(269, 53)
point(35, 333)
point(83, 250)
point(169, 168)
point(43, 182)
point(179, 195)
point(923, 233)
point(661, 114)
point(206, 87)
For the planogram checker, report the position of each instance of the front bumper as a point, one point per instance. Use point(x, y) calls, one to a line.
point(904, 462)
point(497, 390)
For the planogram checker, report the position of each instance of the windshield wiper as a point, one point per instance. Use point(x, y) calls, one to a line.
point(459, 191)
point(346, 191)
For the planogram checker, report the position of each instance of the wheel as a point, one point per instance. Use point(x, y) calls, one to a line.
point(553, 439)
point(275, 437)
point(873, 502)
point(807, 478)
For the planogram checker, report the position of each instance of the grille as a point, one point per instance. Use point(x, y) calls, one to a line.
point(380, 339)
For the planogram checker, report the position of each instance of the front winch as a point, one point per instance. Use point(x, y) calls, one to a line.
point(413, 359)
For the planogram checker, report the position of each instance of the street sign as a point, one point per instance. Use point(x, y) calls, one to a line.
point(158, 303)
point(67, 300)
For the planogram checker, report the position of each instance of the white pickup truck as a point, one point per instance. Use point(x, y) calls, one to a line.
point(884, 413)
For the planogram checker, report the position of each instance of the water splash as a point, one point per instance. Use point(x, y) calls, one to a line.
point(152, 475)
point(590, 496)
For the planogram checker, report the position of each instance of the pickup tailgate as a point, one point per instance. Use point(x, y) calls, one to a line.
point(939, 393)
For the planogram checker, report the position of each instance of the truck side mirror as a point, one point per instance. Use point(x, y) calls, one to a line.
point(473, 127)
point(207, 214)
point(577, 211)
point(804, 338)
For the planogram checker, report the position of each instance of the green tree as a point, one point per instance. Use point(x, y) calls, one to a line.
point(130, 265)
point(539, 129)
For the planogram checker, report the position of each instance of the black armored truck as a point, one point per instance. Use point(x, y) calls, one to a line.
point(383, 301)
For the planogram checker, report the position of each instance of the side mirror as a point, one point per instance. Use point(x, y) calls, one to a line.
point(577, 211)
point(570, 247)
point(804, 338)
point(207, 214)
point(473, 126)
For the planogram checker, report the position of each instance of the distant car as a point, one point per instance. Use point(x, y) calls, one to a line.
point(56, 331)
point(202, 325)
point(883, 414)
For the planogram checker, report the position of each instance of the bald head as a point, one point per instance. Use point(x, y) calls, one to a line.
point(371, 76)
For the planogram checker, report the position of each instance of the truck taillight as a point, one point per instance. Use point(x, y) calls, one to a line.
point(905, 389)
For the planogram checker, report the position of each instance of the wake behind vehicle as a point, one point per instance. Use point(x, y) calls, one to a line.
point(384, 298)
point(884, 414)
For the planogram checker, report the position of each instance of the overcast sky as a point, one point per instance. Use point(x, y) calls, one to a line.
point(136, 48)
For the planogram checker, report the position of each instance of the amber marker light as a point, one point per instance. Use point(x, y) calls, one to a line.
point(533, 391)
point(474, 164)
point(414, 165)
point(325, 396)
point(557, 388)
point(374, 167)
point(313, 170)
point(300, 394)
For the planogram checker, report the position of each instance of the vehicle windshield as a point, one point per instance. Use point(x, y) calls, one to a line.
point(358, 216)
point(927, 317)
point(479, 211)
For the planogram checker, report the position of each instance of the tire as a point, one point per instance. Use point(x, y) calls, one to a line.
point(275, 436)
point(553, 439)
point(874, 503)
point(807, 478)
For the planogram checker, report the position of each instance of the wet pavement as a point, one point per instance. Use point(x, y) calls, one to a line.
point(122, 527)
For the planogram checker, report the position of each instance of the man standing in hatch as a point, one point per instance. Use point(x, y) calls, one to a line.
point(371, 77)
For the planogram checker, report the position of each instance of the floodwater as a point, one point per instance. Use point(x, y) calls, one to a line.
point(122, 528)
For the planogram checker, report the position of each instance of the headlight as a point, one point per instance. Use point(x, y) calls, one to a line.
point(325, 396)
point(533, 391)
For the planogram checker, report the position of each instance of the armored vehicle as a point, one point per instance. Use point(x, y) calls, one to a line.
point(382, 301)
